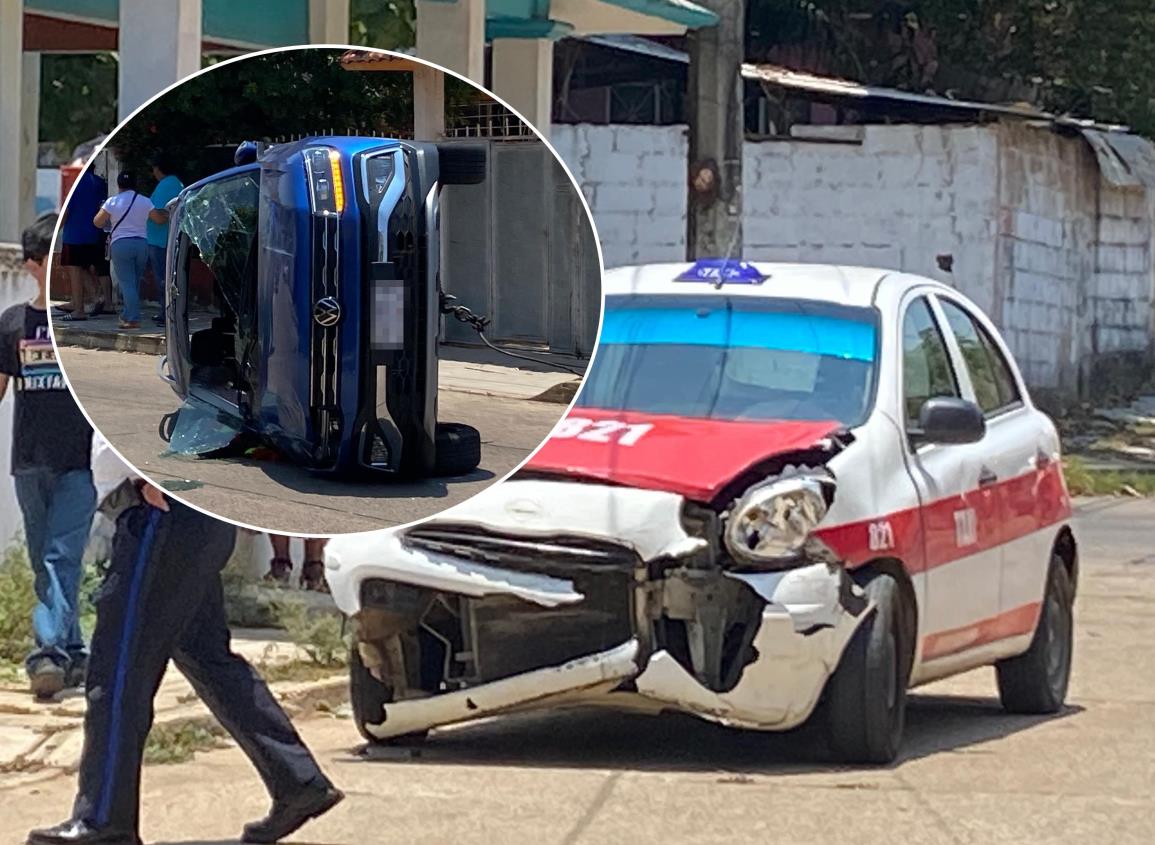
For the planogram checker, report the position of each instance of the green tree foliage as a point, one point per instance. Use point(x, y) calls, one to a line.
point(77, 98)
point(279, 95)
point(1089, 58)
point(385, 24)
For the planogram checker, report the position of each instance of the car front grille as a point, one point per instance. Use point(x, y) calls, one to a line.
point(563, 556)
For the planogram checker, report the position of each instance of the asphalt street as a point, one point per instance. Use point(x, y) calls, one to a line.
point(126, 400)
point(969, 773)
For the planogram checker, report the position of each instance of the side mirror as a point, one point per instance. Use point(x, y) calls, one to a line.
point(949, 420)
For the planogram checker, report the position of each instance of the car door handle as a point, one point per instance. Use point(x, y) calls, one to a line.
point(987, 477)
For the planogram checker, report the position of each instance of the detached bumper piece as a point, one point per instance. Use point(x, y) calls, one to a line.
point(597, 673)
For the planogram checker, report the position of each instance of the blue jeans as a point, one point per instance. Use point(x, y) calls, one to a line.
point(129, 257)
point(58, 509)
point(156, 260)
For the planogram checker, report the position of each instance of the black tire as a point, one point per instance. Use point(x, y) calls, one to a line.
point(368, 697)
point(458, 449)
point(866, 696)
point(1036, 681)
point(462, 164)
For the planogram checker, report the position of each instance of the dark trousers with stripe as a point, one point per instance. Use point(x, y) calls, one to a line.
point(163, 599)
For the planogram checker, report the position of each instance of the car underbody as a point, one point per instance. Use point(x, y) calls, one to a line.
point(637, 605)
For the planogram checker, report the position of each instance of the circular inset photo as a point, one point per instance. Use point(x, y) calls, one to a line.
point(316, 291)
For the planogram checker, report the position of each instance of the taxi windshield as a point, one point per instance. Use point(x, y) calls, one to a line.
point(734, 358)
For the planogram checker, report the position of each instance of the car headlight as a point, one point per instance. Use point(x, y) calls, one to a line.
point(326, 183)
point(772, 522)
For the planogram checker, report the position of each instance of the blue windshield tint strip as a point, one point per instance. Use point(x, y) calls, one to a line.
point(817, 335)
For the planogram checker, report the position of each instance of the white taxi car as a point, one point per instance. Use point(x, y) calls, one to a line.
point(784, 492)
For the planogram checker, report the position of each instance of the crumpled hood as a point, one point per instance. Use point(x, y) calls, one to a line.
point(648, 521)
point(693, 457)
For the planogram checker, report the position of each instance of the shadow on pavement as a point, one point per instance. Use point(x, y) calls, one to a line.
point(302, 480)
point(680, 743)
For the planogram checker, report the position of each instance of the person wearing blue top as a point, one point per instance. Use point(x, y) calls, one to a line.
point(167, 188)
point(82, 254)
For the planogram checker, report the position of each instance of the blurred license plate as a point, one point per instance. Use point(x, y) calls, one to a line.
point(388, 314)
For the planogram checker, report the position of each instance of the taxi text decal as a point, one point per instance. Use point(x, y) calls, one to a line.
point(600, 431)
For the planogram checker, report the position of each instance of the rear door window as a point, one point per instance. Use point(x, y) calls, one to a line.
point(994, 385)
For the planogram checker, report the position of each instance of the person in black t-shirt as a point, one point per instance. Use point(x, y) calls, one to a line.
point(51, 449)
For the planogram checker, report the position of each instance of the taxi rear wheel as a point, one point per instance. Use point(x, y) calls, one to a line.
point(866, 695)
point(1036, 681)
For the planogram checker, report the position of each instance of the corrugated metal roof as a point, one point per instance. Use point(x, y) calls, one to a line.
point(1125, 160)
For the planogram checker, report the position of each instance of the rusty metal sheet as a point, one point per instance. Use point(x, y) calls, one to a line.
point(1125, 160)
point(1111, 164)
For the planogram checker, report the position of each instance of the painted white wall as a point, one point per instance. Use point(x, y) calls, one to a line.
point(15, 286)
point(1058, 257)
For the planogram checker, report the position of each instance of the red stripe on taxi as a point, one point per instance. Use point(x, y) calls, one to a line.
point(1011, 623)
point(955, 527)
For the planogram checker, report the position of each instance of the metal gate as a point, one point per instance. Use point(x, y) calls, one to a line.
point(520, 248)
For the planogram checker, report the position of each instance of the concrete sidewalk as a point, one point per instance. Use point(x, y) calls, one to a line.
point(479, 371)
point(47, 737)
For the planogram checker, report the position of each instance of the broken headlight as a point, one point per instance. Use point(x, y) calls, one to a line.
point(772, 521)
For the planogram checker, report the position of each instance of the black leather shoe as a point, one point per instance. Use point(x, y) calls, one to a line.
point(74, 832)
point(288, 815)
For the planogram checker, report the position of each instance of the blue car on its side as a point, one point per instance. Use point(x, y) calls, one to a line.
point(312, 273)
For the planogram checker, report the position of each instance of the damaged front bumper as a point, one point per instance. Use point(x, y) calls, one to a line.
point(482, 613)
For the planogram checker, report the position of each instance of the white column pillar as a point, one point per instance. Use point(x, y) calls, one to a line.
point(428, 104)
point(329, 21)
point(11, 100)
point(159, 44)
point(29, 137)
point(453, 36)
point(523, 77)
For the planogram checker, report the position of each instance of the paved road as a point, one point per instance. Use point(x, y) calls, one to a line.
point(125, 398)
point(969, 773)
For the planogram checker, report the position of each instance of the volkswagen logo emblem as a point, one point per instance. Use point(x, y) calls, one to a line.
point(327, 312)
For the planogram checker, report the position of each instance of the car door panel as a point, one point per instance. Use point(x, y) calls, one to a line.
point(961, 551)
point(1019, 456)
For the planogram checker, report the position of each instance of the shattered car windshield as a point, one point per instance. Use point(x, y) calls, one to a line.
point(220, 219)
point(734, 358)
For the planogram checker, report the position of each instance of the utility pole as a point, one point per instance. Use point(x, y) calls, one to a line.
point(717, 130)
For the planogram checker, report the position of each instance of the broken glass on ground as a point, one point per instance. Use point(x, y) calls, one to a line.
point(201, 430)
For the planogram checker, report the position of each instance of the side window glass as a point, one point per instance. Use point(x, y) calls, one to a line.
point(990, 374)
point(926, 368)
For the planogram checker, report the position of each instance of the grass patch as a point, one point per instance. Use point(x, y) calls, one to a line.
point(17, 600)
point(320, 635)
point(179, 742)
point(1084, 481)
point(297, 671)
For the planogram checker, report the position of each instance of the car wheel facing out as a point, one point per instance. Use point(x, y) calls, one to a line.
point(1036, 681)
point(866, 695)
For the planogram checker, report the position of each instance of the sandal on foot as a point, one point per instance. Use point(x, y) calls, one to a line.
point(71, 318)
point(280, 570)
point(313, 576)
point(98, 309)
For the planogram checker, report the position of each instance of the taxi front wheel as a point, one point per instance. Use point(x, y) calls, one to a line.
point(1036, 681)
point(866, 696)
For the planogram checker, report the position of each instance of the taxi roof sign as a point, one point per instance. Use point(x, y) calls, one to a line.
point(722, 271)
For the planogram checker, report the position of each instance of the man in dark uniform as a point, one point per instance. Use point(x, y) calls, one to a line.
point(163, 599)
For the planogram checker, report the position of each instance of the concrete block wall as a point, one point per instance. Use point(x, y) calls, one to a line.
point(902, 197)
point(1046, 249)
point(1120, 299)
point(634, 178)
point(1061, 260)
